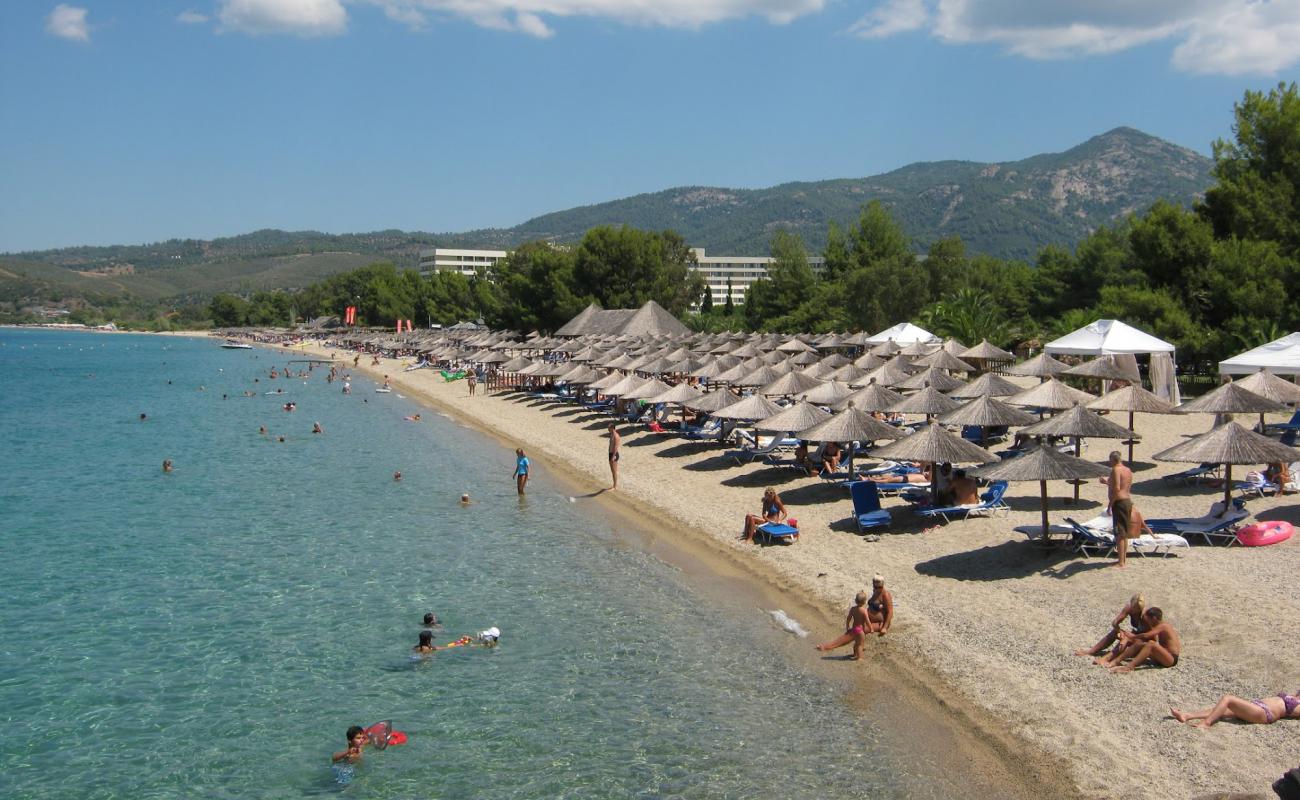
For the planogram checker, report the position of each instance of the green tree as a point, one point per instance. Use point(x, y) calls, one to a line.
point(729, 306)
point(228, 311)
point(944, 262)
point(968, 315)
point(1257, 195)
point(537, 288)
point(706, 302)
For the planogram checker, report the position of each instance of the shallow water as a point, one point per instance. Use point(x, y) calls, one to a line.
point(213, 632)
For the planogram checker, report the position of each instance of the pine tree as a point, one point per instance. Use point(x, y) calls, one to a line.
point(730, 306)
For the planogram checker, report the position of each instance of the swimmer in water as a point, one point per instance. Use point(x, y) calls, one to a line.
point(356, 744)
point(316, 428)
point(143, 417)
point(262, 430)
point(167, 465)
point(464, 499)
point(426, 643)
point(281, 439)
point(413, 418)
point(431, 621)
point(397, 476)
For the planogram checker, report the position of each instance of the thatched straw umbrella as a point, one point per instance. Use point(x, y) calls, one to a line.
point(1040, 366)
point(934, 445)
point(649, 389)
point(710, 402)
point(886, 348)
point(828, 393)
point(759, 377)
point(1052, 394)
point(1043, 464)
point(849, 373)
point(891, 373)
point(990, 384)
point(628, 384)
point(751, 408)
point(1104, 368)
point(1229, 444)
point(1132, 399)
point(791, 383)
point(984, 351)
point(928, 401)
point(797, 417)
point(985, 411)
point(942, 359)
point(872, 397)
point(934, 377)
point(850, 425)
point(869, 362)
point(1270, 387)
point(1230, 398)
point(680, 395)
point(1082, 424)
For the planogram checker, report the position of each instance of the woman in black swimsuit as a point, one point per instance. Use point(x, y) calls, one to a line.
point(880, 607)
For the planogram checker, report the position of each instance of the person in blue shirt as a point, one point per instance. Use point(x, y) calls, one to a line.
point(521, 470)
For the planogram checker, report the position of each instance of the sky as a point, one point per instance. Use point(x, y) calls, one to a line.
point(130, 122)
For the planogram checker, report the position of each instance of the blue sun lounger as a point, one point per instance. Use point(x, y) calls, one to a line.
point(990, 503)
point(779, 531)
point(866, 506)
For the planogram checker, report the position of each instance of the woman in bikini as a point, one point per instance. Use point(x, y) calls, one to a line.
point(1133, 610)
point(773, 511)
point(856, 625)
point(1264, 711)
point(880, 608)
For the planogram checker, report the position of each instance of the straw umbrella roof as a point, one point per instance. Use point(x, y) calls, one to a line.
point(855, 339)
point(629, 383)
point(1104, 367)
point(1051, 394)
point(915, 349)
point(515, 364)
point(984, 410)
point(935, 378)
point(1043, 464)
point(886, 348)
point(927, 401)
point(891, 373)
point(609, 380)
point(850, 425)
point(953, 345)
point(942, 359)
point(1229, 444)
point(1079, 421)
point(835, 360)
point(828, 393)
point(1230, 398)
point(1132, 398)
point(795, 346)
point(988, 384)
point(759, 377)
point(756, 406)
point(747, 350)
point(869, 361)
point(790, 383)
point(872, 397)
point(1271, 387)
point(581, 374)
point(773, 357)
point(1039, 366)
point(819, 371)
point(935, 445)
point(987, 352)
point(733, 374)
point(804, 359)
point(849, 373)
point(681, 394)
point(645, 391)
point(712, 401)
point(797, 417)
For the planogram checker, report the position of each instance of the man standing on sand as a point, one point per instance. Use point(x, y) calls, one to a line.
point(615, 442)
point(1119, 484)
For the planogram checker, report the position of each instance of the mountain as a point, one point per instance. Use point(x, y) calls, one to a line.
point(1009, 210)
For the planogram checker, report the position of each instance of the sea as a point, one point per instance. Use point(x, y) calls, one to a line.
point(213, 631)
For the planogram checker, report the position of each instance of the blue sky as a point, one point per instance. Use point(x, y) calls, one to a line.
point(129, 122)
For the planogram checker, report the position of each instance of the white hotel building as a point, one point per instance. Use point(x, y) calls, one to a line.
point(742, 271)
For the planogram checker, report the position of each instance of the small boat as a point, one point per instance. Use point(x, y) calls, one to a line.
point(231, 344)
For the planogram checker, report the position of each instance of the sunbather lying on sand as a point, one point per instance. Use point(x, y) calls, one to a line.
point(1264, 711)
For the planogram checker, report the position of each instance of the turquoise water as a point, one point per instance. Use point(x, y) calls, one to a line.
point(212, 632)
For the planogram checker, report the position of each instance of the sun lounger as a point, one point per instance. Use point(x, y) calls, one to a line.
point(709, 430)
point(1258, 487)
point(866, 506)
point(990, 504)
point(1198, 473)
point(1212, 527)
point(1291, 425)
point(779, 531)
point(1097, 536)
point(896, 488)
point(747, 455)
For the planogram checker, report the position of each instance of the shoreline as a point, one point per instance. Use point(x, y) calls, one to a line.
point(890, 682)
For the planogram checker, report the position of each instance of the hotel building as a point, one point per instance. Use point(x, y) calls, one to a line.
point(465, 262)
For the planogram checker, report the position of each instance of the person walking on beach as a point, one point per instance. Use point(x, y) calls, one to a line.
point(1119, 485)
point(521, 470)
point(472, 380)
point(615, 442)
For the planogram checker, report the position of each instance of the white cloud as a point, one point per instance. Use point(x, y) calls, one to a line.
point(528, 16)
point(891, 17)
point(296, 17)
point(191, 18)
point(68, 22)
point(1215, 36)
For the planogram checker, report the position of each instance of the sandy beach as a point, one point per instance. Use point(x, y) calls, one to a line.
point(985, 619)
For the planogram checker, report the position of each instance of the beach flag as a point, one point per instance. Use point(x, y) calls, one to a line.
point(350, 315)
point(409, 326)
point(399, 326)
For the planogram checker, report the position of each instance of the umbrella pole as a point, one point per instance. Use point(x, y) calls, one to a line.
point(1078, 453)
point(1227, 488)
point(1042, 493)
point(1131, 431)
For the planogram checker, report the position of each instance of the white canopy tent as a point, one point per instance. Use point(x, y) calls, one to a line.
point(1281, 356)
point(904, 333)
point(1110, 337)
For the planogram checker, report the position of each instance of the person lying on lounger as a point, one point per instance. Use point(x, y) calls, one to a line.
point(773, 510)
point(1264, 711)
point(910, 477)
point(1159, 644)
point(1132, 611)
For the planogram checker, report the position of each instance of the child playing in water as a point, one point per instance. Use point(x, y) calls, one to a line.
point(356, 743)
point(855, 628)
point(426, 643)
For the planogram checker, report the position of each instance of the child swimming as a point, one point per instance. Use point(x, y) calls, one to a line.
point(426, 643)
point(356, 744)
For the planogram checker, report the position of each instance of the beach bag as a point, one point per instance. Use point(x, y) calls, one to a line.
point(1287, 787)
